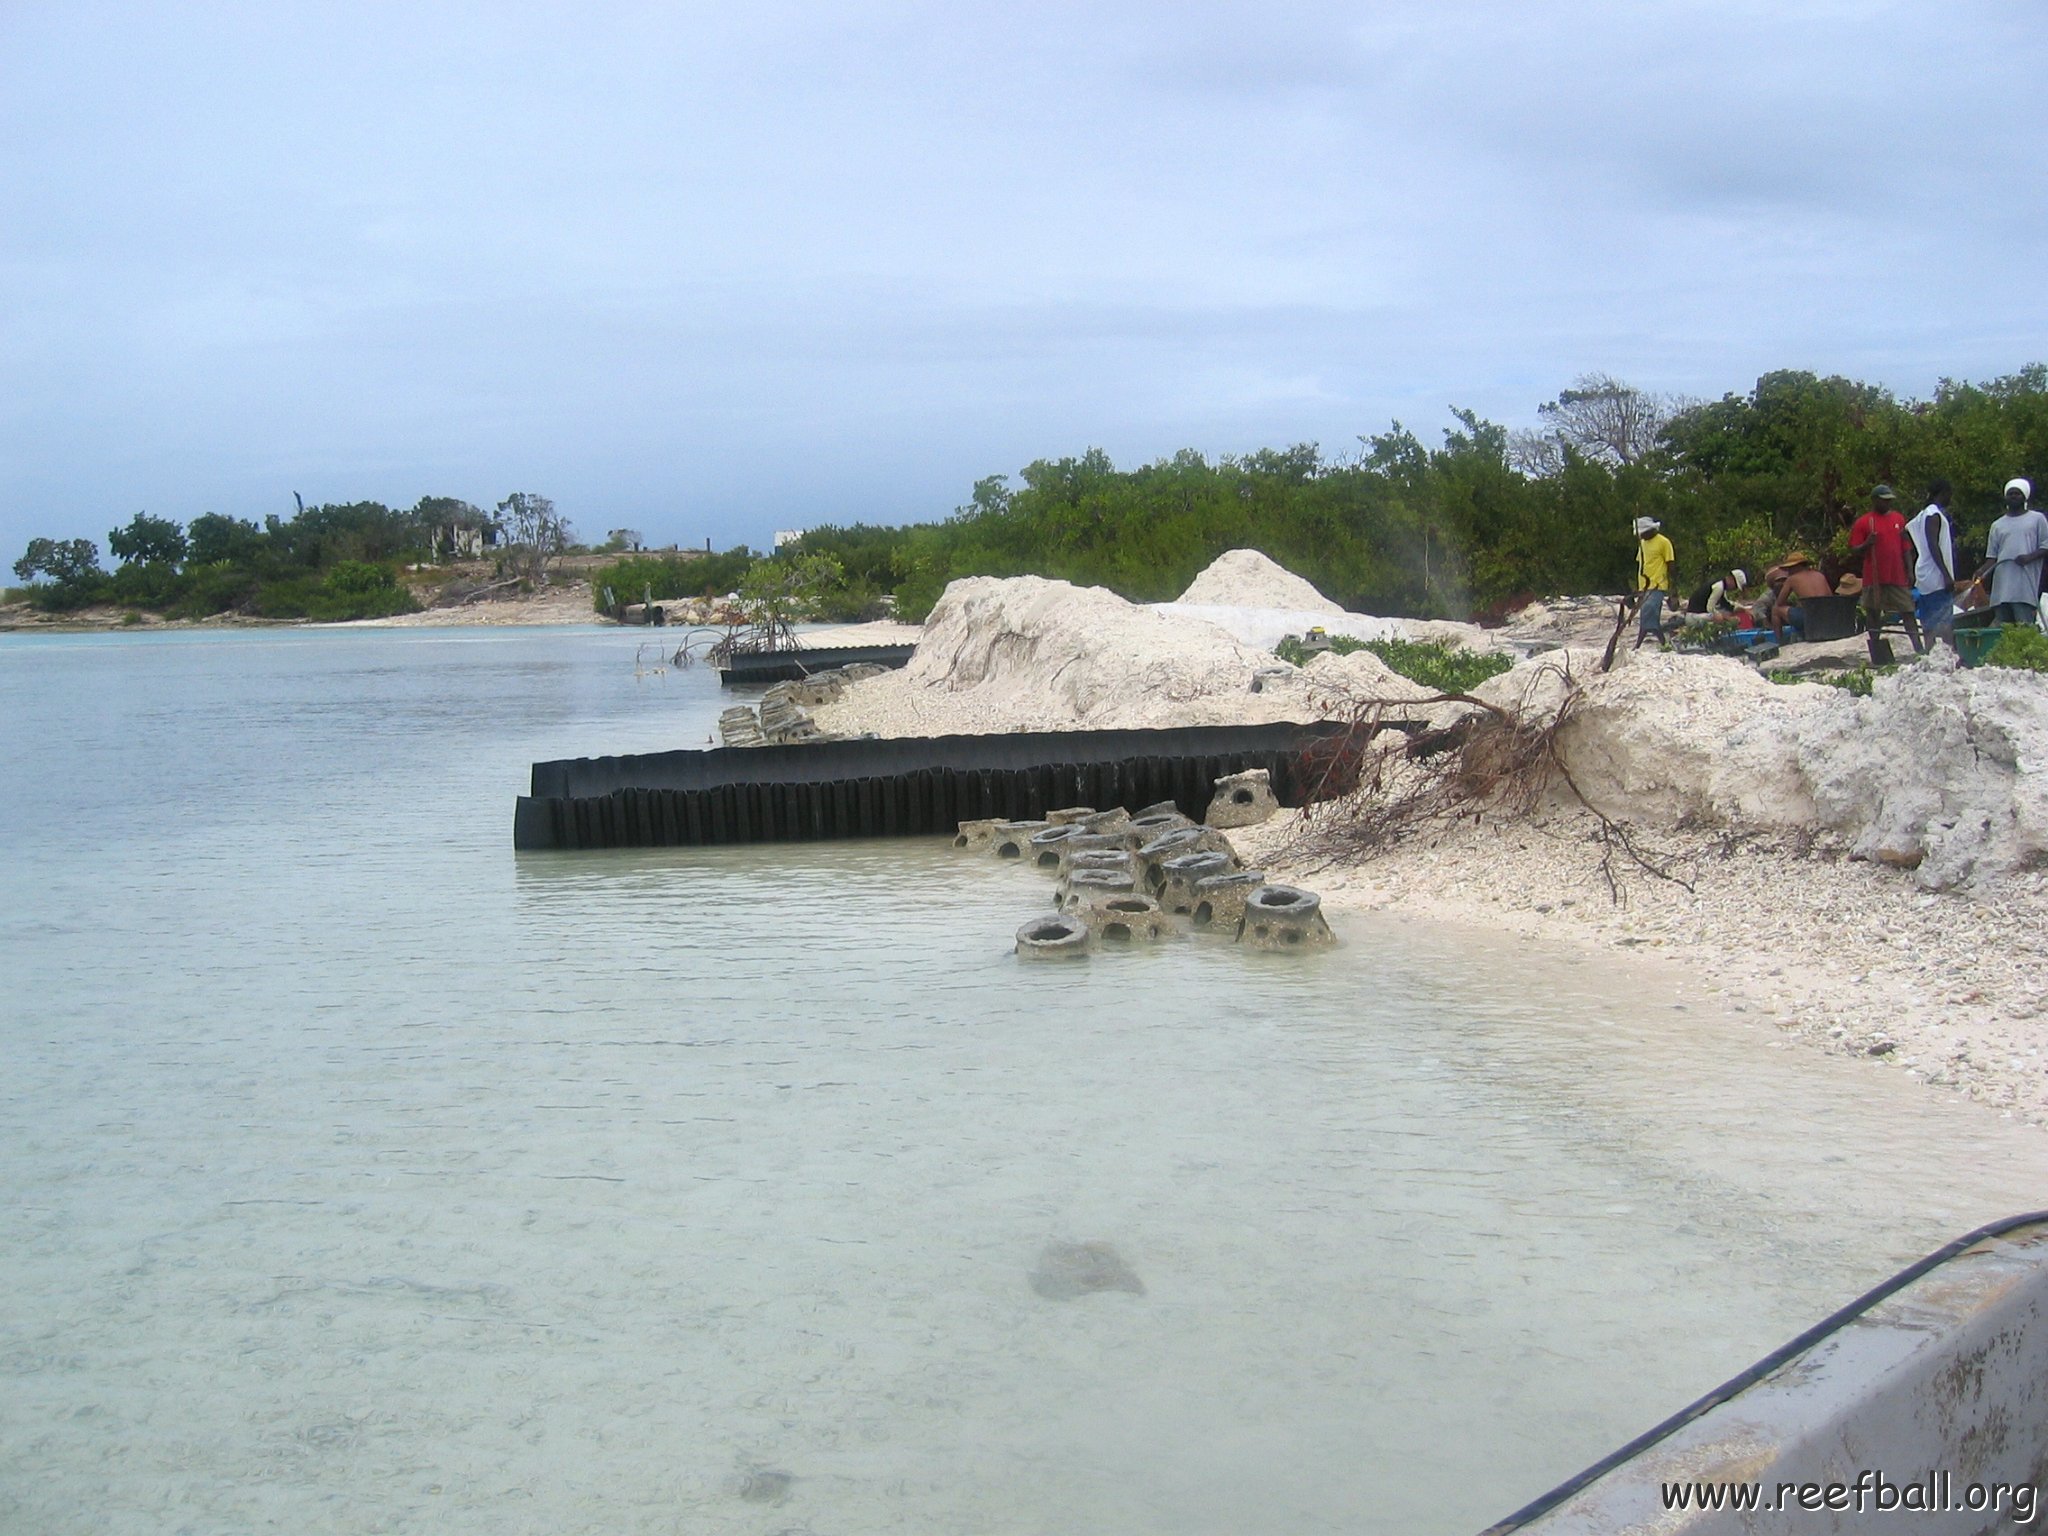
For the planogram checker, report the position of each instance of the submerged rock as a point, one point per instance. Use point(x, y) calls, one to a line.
point(1069, 1270)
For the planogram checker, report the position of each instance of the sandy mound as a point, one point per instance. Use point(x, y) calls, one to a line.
point(1936, 771)
point(1264, 628)
point(1244, 578)
point(1676, 740)
point(1360, 675)
point(1939, 770)
point(1032, 654)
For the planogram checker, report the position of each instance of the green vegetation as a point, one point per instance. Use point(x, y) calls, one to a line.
point(1294, 653)
point(1705, 637)
point(326, 562)
point(1474, 525)
point(1856, 680)
point(1487, 519)
point(666, 577)
point(1446, 668)
point(2021, 647)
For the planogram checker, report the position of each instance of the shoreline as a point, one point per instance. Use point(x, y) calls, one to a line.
point(1843, 956)
point(1847, 958)
point(564, 606)
point(1853, 908)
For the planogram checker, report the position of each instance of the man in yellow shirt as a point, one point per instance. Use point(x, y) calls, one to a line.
point(1653, 577)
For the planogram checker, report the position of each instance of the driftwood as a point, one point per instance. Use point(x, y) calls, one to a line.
point(487, 589)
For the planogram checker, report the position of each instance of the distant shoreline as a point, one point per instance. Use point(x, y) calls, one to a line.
point(565, 605)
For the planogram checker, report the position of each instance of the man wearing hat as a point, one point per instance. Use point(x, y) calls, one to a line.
point(1653, 577)
point(1792, 581)
point(2012, 556)
point(1879, 536)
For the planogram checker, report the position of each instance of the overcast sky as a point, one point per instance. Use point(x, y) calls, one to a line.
point(712, 270)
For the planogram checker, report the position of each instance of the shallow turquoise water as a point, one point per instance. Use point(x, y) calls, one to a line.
point(364, 1176)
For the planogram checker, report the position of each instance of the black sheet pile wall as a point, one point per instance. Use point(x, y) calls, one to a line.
point(786, 666)
point(901, 787)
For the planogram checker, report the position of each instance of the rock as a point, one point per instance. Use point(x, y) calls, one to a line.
point(1068, 1271)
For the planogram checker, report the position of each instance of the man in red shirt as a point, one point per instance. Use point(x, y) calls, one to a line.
point(1879, 536)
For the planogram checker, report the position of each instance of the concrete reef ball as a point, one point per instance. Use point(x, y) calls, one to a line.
point(1122, 919)
point(1178, 877)
point(1045, 846)
point(1243, 799)
point(1085, 886)
point(1012, 839)
point(1083, 843)
point(1109, 861)
point(1154, 823)
point(1220, 899)
point(977, 836)
point(1113, 821)
point(1283, 917)
point(1070, 814)
point(1175, 844)
point(1057, 937)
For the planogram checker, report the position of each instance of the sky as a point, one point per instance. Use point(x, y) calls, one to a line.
point(708, 271)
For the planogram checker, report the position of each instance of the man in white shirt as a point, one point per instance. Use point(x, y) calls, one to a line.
point(1934, 571)
point(2013, 555)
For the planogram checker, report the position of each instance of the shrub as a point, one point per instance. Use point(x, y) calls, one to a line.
point(210, 589)
point(1858, 680)
point(1706, 637)
point(1446, 668)
point(668, 576)
point(353, 589)
point(2020, 647)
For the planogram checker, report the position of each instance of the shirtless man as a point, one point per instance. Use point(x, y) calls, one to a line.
point(1800, 582)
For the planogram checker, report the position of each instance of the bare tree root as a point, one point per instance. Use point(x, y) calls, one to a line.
point(1389, 777)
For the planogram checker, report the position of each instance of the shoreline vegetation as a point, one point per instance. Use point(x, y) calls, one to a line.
point(1474, 528)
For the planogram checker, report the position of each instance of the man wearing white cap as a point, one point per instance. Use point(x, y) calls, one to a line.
point(2012, 556)
point(1653, 577)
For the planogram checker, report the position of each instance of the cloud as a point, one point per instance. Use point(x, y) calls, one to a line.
point(732, 266)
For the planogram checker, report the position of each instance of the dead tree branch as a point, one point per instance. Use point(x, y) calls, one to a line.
point(1403, 767)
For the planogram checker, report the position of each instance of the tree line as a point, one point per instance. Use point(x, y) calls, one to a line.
point(334, 561)
point(1487, 518)
point(1470, 526)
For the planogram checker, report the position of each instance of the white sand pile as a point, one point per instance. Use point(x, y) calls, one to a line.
point(1935, 771)
point(1939, 770)
point(1358, 676)
point(1264, 628)
point(1674, 740)
point(1261, 602)
point(1032, 654)
point(1244, 578)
